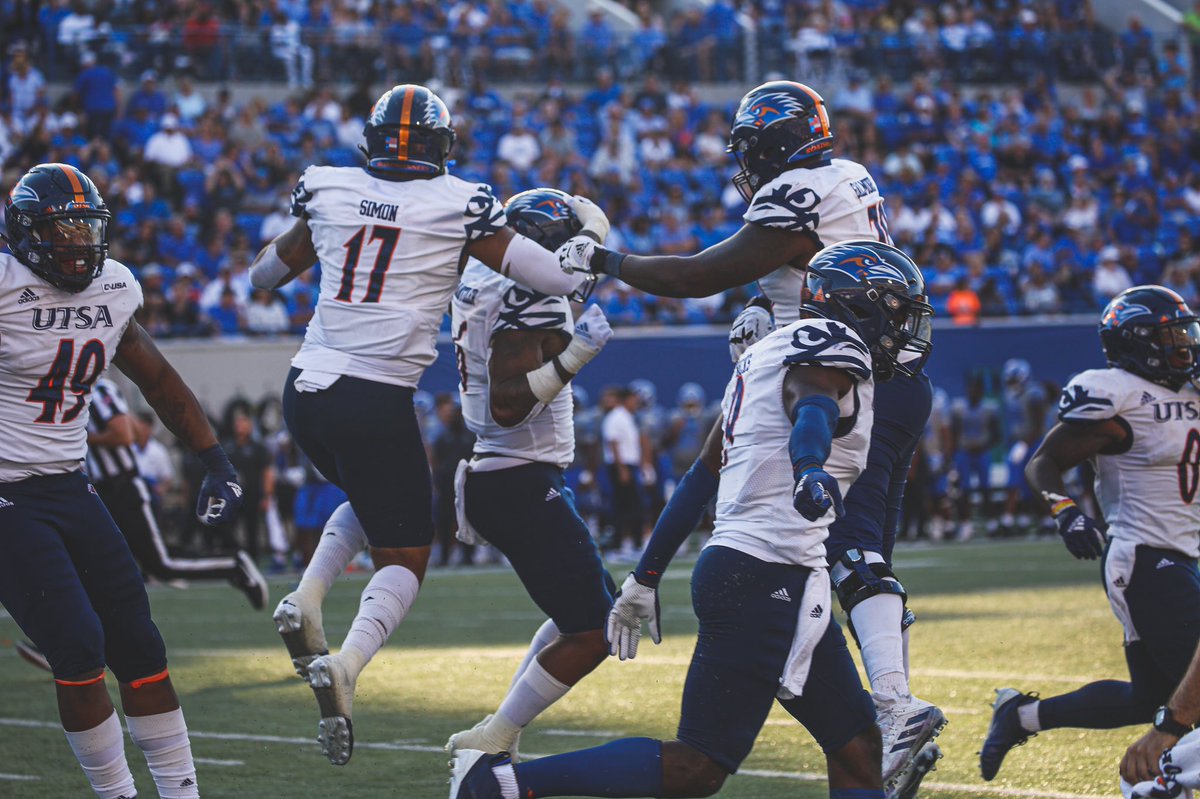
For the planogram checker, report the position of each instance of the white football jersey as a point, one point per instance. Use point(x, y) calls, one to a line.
point(53, 346)
point(390, 254)
point(485, 304)
point(835, 202)
point(754, 502)
point(1149, 492)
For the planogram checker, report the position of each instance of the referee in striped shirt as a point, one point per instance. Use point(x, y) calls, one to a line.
point(112, 468)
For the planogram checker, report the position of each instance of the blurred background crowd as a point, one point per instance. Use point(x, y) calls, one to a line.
point(1034, 162)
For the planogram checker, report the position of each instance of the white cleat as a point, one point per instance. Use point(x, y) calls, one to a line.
point(334, 688)
point(299, 624)
point(906, 725)
point(479, 737)
point(909, 780)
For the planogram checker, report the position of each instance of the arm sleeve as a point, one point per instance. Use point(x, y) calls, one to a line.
point(532, 265)
point(679, 518)
point(812, 432)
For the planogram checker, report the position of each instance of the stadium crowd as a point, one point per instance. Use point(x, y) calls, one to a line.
point(1042, 198)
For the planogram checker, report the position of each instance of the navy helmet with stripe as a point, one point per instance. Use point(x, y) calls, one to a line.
point(56, 224)
point(878, 291)
point(545, 216)
point(1151, 332)
point(409, 134)
point(778, 126)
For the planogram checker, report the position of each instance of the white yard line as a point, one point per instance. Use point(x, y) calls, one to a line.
point(19, 777)
point(581, 733)
point(212, 761)
point(402, 746)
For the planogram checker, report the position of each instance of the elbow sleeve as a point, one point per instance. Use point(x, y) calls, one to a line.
point(812, 432)
point(532, 265)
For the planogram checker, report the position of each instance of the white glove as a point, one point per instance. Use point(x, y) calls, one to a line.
point(592, 332)
point(636, 603)
point(575, 255)
point(592, 216)
point(752, 325)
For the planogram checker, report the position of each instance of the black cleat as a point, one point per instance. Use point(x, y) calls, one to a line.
point(1006, 730)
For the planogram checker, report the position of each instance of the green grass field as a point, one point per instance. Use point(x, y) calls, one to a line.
point(991, 614)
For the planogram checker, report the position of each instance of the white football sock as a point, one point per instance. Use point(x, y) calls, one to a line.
point(341, 540)
point(533, 693)
point(101, 753)
point(545, 636)
point(1028, 715)
point(163, 739)
point(385, 603)
point(877, 622)
point(907, 669)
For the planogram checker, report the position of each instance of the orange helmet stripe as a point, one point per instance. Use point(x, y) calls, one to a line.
point(820, 106)
point(76, 186)
point(405, 115)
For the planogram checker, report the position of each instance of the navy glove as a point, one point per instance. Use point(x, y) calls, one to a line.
point(1083, 537)
point(816, 492)
point(220, 493)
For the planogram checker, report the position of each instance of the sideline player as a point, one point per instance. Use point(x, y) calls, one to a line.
point(761, 586)
point(517, 351)
point(66, 311)
point(1025, 423)
point(392, 239)
point(1135, 421)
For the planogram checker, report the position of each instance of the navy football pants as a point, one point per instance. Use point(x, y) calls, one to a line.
point(68, 579)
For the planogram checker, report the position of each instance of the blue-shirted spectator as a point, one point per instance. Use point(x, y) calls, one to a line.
point(96, 88)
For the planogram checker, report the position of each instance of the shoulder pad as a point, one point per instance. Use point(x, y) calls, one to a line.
point(823, 342)
point(1092, 396)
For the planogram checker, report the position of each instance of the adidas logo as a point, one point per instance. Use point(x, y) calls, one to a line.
point(816, 612)
point(552, 494)
point(4, 503)
point(187, 782)
point(1119, 582)
point(1146, 398)
point(28, 295)
point(1162, 564)
point(782, 594)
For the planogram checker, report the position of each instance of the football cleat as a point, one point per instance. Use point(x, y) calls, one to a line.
point(906, 726)
point(249, 581)
point(334, 688)
point(491, 741)
point(909, 781)
point(32, 655)
point(1006, 730)
point(479, 775)
point(299, 624)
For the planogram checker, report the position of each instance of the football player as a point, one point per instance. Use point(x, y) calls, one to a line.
point(66, 573)
point(517, 351)
point(392, 238)
point(801, 198)
point(1025, 410)
point(1136, 422)
point(797, 425)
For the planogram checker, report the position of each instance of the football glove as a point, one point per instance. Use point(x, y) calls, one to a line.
point(634, 604)
point(592, 330)
point(591, 216)
point(220, 493)
point(1082, 536)
point(816, 492)
point(752, 325)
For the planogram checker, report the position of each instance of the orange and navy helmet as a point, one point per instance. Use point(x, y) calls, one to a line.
point(778, 126)
point(1151, 332)
point(879, 292)
point(56, 224)
point(545, 216)
point(409, 134)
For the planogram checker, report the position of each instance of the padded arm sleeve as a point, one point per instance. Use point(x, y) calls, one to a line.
point(812, 433)
point(676, 523)
point(532, 265)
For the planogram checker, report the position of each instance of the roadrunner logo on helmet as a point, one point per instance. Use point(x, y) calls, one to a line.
point(1151, 332)
point(545, 216)
point(879, 291)
point(56, 224)
point(409, 134)
point(778, 126)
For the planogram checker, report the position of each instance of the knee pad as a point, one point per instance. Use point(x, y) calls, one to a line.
point(865, 579)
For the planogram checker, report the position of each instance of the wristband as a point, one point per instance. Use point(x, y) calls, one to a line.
point(576, 356)
point(545, 382)
point(215, 460)
point(269, 269)
point(1058, 503)
point(607, 262)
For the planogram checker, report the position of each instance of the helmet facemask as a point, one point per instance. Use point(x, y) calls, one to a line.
point(68, 249)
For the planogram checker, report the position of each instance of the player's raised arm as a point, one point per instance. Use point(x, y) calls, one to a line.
point(751, 253)
point(291, 253)
point(141, 360)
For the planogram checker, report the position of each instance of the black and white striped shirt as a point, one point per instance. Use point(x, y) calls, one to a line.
point(108, 463)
